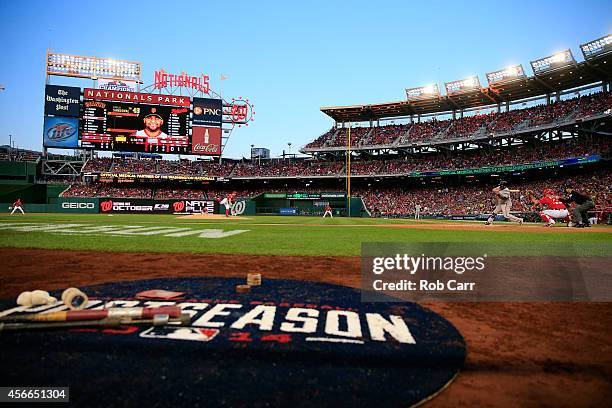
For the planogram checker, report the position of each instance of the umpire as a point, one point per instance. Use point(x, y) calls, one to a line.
point(584, 203)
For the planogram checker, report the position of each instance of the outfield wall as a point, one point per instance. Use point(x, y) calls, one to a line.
point(109, 205)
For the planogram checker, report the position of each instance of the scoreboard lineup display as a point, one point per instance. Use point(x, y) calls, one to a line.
point(129, 121)
point(121, 126)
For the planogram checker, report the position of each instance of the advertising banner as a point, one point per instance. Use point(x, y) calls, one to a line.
point(193, 206)
point(62, 100)
point(132, 177)
point(61, 132)
point(147, 206)
point(117, 85)
point(207, 112)
point(136, 97)
point(77, 205)
point(206, 140)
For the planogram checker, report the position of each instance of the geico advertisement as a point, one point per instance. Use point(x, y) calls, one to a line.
point(78, 205)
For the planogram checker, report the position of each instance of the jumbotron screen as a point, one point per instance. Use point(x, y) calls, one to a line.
point(135, 127)
point(135, 122)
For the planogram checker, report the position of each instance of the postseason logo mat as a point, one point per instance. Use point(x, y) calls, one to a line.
point(284, 343)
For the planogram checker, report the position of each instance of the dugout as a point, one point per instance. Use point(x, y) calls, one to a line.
point(301, 203)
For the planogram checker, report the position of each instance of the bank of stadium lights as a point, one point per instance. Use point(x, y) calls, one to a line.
point(463, 85)
point(92, 67)
point(508, 74)
point(423, 92)
point(557, 60)
point(597, 47)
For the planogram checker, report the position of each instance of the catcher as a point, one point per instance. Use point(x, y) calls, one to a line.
point(555, 209)
point(503, 204)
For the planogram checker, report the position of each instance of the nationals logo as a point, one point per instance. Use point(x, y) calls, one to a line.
point(178, 206)
point(106, 206)
point(238, 208)
point(240, 112)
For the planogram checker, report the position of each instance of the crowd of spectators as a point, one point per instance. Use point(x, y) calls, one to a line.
point(484, 157)
point(287, 168)
point(176, 192)
point(81, 190)
point(386, 135)
point(187, 167)
point(224, 169)
point(469, 126)
point(545, 114)
point(134, 166)
point(477, 199)
point(124, 192)
point(323, 139)
point(598, 103)
point(423, 131)
point(102, 164)
point(167, 167)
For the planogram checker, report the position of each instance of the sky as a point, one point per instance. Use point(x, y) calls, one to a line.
point(288, 58)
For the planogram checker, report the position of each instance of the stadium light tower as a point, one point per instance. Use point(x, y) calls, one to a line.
point(92, 67)
point(597, 47)
point(553, 62)
point(468, 84)
point(508, 74)
point(423, 92)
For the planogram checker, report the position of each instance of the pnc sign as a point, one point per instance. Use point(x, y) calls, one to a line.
point(207, 112)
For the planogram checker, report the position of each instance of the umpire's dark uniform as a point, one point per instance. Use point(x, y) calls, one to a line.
point(584, 203)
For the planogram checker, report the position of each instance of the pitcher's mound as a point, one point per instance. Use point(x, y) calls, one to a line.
point(212, 217)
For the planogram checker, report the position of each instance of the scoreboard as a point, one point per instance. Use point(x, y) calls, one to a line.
point(121, 126)
point(119, 120)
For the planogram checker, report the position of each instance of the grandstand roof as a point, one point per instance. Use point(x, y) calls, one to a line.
point(592, 70)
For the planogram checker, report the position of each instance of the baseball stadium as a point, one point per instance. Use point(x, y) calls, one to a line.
point(144, 265)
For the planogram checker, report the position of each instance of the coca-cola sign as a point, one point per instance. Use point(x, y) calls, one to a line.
point(206, 140)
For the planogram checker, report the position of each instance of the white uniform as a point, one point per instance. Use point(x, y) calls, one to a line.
point(226, 203)
point(151, 139)
point(17, 207)
point(417, 212)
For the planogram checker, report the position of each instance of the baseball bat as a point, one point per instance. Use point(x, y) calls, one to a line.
point(82, 315)
point(157, 320)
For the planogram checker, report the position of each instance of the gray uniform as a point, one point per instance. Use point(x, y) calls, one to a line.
point(503, 205)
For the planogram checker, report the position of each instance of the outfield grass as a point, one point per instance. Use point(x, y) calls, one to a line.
point(268, 235)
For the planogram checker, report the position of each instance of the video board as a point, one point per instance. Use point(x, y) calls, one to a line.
point(135, 127)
